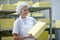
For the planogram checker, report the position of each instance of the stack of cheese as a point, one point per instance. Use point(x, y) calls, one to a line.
point(37, 14)
point(38, 29)
point(9, 7)
point(41, 4)
point(57, 23)
point(7, 38)
point(28, 2)
point(43, 36)
point(6, 23)
point(47, 20)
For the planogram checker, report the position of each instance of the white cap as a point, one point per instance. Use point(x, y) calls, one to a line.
point(20, 6)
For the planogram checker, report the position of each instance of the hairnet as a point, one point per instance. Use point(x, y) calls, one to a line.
point(20, 6)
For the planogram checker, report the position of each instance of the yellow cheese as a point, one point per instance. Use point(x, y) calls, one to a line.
point(28, 2)
point(57, 23)
point(14, 14)
point(37, 14)
point(47, 20)
point(41, 4)
point(7, 38)
point(6, 23)
point(0, 7)
point(9, 7)
point(53, 25)
point(43, 36)
point(38, 29)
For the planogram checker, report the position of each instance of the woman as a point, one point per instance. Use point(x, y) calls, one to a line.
point(23, 24)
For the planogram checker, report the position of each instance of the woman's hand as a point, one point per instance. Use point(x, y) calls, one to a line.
point(30, 36)
point(17, 37)
point(22, 38)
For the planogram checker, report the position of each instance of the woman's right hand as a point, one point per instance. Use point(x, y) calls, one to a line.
point(17, 37)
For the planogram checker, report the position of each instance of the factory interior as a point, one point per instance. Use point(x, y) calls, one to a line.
point(44, 11)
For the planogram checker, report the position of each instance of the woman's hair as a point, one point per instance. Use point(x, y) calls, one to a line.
point(20, 6)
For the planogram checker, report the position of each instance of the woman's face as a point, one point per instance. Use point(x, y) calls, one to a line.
point(24, 11)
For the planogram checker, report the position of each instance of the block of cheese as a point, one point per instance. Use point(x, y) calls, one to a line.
point(7, 38)
point(37, 14)
point(41, 4)
point(28, 2)
point(47, 20)
point(37, 29)
point(43, 36)
point(53, 25)
point(14, 14)
point(9, 7)
point(0, 7)
point(6, 23)
point(57, 23)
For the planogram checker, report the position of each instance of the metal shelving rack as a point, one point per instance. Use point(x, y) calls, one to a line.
point(50, 16)
point(31, 9)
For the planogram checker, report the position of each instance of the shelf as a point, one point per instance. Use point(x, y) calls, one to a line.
point(31, 9)
point(6, 12)
point(38, 17)
point(7, 32)
point(34, 9)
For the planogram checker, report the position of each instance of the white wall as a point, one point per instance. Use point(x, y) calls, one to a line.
point(55, 5)
point(56, 9)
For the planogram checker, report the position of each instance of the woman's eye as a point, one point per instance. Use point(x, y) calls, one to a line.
point(25, 10)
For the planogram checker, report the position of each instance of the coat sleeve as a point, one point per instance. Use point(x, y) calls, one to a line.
point(16, 28)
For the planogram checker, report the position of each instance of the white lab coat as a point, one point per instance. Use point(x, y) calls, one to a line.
point(22, 26)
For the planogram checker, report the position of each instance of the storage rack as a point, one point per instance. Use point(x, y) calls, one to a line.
point(7, 32)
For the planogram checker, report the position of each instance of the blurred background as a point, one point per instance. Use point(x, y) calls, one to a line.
point(42, 10)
